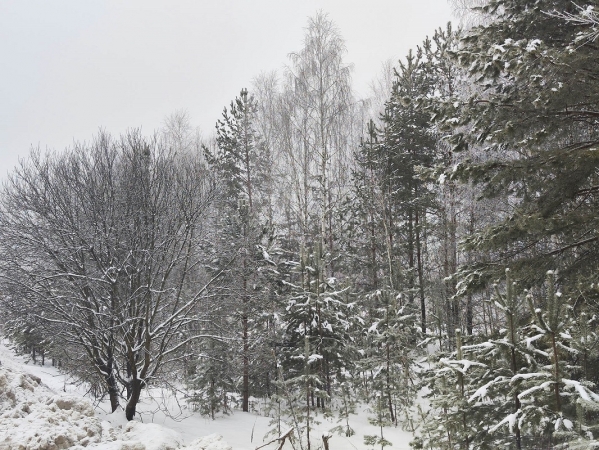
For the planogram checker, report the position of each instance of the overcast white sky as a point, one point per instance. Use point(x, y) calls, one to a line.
point(69, 68)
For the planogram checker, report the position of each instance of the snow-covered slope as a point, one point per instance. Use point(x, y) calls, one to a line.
point(32, 417)
point(41, 409)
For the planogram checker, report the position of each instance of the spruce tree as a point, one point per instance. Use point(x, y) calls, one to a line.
point(390, 363)
point(319, 350)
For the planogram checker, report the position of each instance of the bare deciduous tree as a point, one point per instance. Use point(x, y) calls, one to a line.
point(319, 107)
point(101, 247)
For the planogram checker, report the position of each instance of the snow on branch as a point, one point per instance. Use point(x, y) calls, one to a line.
point(585, 17)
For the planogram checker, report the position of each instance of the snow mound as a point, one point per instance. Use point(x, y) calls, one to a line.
point(210, 442)
point(147, 436)
point(33, 418)
point(151, 436)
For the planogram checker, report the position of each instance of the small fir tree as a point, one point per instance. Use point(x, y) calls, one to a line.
point(380, 420)
point(211, 384)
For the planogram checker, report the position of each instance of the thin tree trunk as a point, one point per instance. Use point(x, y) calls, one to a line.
point(390, 400)
point(420, 275)
point(246, 365)
point(411, 256)
point(469, 315)
point(308, 390)
point(461, 384)
point(516, 403)
point(512, 323)
point(558, 401)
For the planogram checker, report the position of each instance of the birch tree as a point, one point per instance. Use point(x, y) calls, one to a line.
point(318, 116)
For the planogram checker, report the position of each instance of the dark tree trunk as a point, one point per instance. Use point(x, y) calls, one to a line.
point(517, 404)
point(136, 387)
point(374, 276)
point(420, 275)
point(113, 391)
point(411, 281)
point(246, 365)
point(113, 394)
point(325, 441)
point(556, 374)
point(111, 384)
point(390, 400)
point(469, 315)
point(128, 385)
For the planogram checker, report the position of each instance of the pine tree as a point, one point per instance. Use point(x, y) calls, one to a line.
point(246, 235)
point(524, 381)
point(210, 382)
point(347, 402)
point(380, 420)
point(495, 398)
point(408, 144)
point(550, 396)
point(319, 311)
point(534, 108)
point(367, 235)
point(447, 424)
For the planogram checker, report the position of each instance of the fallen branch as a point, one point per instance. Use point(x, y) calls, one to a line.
point(280, 438)
point(325, 440)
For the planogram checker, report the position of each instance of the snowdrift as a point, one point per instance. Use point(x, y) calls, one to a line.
point(33, 417)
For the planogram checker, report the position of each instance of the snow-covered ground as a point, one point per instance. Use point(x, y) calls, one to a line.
point(41, 409)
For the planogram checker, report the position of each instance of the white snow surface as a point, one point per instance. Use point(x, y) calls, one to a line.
point(42, 409)
point(33, 416)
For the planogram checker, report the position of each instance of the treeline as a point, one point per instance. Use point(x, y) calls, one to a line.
point(318, 253)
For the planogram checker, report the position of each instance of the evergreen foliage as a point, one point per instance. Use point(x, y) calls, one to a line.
point(517, 387)
point(534, 112)
point(390, 358)
point(240, 160)
point(318, 318)
point(210, 383)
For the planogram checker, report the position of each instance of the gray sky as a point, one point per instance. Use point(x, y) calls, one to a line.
point(72, 67)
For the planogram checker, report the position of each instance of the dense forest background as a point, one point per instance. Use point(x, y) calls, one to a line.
point(439, 239)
